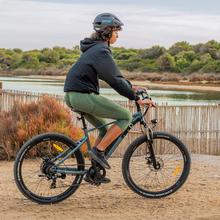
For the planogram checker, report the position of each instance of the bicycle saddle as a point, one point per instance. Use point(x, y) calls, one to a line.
point(77, 111)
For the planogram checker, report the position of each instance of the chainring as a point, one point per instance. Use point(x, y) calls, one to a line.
point(96, 173)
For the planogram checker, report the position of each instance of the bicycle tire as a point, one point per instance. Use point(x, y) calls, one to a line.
point(18, 166)
point(162, 193)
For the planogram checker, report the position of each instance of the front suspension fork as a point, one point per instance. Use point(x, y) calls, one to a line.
point(149, 133)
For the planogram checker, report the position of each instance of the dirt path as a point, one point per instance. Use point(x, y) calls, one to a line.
point(198, 199)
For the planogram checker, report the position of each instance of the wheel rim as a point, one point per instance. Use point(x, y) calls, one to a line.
point(42, 184)
point(164, 179)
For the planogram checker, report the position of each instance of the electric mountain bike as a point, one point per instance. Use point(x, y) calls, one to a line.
point(50, 167)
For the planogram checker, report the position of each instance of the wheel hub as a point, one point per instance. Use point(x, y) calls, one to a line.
point(46, 167)
point(159, 165)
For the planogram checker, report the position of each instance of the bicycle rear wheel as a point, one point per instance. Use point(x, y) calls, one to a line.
point(173, 160)
point(33, 164)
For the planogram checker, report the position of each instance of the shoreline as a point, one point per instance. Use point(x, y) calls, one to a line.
point(179, 86)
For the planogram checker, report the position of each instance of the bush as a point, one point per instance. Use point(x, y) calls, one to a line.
point(129, 65)
point(195, 66)
point(171, 77)
point(152, 53)
point(178, 47)
point(24, 121)
point(166, 62)
point(143, 76)
point(125, 55)
point(195, 77)
point(180, 57)
point(210, 67)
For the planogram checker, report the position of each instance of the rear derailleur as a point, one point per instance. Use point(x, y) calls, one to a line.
point(45, 167)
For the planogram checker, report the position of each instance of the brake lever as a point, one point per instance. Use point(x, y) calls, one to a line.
point(140, 91)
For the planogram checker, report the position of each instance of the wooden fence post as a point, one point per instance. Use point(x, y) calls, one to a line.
point(1, 96)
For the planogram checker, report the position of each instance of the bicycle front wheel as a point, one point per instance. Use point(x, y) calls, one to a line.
point(33, 163)
point(173, 165)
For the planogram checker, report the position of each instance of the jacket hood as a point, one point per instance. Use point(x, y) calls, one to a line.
point(88, 43)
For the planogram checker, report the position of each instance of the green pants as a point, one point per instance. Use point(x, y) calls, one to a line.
point(97, 107)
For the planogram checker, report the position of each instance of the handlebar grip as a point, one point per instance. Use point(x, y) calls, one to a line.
point(140, 91)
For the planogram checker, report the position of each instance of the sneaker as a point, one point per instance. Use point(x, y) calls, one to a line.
point(88, 179)
point(99, 156)
point(103, 180)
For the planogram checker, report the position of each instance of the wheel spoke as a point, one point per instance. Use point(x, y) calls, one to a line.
point(170, 165)
point(37, 177)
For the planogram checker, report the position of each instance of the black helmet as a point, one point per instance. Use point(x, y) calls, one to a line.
point(106, 20)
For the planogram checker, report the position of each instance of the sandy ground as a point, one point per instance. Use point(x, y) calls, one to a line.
point(198, 199)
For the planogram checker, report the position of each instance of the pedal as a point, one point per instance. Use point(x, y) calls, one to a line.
point(88, 180)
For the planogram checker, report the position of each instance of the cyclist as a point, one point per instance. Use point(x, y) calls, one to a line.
point(82, 85)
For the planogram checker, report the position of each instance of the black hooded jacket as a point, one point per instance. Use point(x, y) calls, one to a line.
point(95, 63)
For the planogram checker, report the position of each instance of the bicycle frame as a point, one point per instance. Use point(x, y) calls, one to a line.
point(136, 117)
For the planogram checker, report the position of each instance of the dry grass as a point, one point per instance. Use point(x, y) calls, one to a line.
point(24, 121)
point(173, 77)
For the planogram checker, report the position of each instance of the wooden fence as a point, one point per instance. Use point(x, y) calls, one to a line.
point(197, 126)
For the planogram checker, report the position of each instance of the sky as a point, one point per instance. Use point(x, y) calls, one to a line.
point(36, 24)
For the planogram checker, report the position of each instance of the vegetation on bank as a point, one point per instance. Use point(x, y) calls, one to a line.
point(26, 120)
point(181, 58)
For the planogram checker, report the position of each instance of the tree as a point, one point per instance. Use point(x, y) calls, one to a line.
point(178, 47)
point(205, 58)
point(17, 50)
point(195, 66)
point(166, 62)
point(49, 56)
point(129, 65)
point(16, 60)
point(152, 53)
point(29, 61)
point(125, 55)
point(180, 57)
point(183, 60)
point(210, 67)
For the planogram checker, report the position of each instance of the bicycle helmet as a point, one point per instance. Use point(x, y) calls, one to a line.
point(105, 23)
point(104, 20)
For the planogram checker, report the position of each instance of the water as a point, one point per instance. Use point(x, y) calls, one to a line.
point(55, 86)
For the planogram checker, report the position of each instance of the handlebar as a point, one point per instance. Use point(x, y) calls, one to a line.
point(144, 95)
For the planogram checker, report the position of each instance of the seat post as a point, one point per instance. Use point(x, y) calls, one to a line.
point(83, 121)
point(80, 118)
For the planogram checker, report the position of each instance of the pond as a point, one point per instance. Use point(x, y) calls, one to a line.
point(55, 86)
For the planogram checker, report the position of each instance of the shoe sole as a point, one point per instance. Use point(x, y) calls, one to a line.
point(91, 182)
point(94, 157)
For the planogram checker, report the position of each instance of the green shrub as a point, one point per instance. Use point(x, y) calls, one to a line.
point(152, 53)
point(178, 47)
point(180, 57)
point(166, 62)
point(210, 67)
point(195, 66)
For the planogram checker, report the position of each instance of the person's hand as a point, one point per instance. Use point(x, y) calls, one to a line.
point(148, 102)
point(135, 88)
